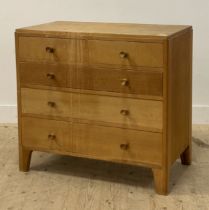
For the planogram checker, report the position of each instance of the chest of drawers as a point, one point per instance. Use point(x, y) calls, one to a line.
point(114, 92)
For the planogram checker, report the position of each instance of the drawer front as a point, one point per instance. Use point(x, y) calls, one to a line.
point(47, 49)
point(121, 81)
point(43, 74)
point(47, 134)
point(46, 102)
point(124, 111)
point(106, 143)
point(118, 144)
point(126, 53)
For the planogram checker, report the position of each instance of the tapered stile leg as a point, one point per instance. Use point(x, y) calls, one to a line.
point(161, 177)
point(24, 158)
point(186, 156)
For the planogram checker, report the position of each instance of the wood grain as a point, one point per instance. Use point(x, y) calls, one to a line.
point(34, 49)
point(46, 102)
point(33, 73)
point(138, 54)
point(94, 92)
point(141, 113)
point(101, 142)
point(24, 158)
point(52, 134)
point(110, 30)
point(107, 143)
point(179, 95)
point(144, 82)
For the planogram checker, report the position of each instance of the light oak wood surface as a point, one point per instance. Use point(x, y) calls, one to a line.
point(118, 144)
point(180, 95)
point(47, 49)
point(140, 113)
point(119, 92)
point(125, 53)
point(52, 134)
point(43, 74)
point(110, 30)
point(101, 142)
point(46, 102)
point(146, 82)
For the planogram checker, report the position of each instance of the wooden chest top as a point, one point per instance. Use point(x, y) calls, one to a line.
point(119, 30)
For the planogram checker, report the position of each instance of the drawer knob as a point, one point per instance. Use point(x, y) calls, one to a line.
point(51, 104)
point(50, 49)
point(50, 76)
point(51, 136)
point(124, 146)
point(124, 82)
point(123, 54)
point(124, 112)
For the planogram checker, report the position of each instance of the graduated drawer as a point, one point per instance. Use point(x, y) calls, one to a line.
point(106, 143)
point(142, 82)
point(43, 74)
point(126, 53)
point(47, 49)
point(47, 134)
point(114, 144)
point(127, 112)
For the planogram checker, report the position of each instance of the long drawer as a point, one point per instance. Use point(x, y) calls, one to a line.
point(126, 53)
point(99, 52)
point(127, 112)
point(92, 140)
point(141, 82)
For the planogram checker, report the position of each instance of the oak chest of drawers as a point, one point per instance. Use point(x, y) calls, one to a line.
point(115, 92)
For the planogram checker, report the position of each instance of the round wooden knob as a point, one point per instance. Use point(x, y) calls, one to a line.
point(50, 76)
point(51, 104)
point(123, 54)
point(51, 136)
point(124, 82)
point(124, 146)
point(50, 49)
point(124, 112)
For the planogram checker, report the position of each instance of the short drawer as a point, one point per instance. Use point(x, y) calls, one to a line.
point(118, 144)
point(46, 134)
point(47, 49)
point(126, 53)
point(126, 112)
point(43, 74)
point(143, 82)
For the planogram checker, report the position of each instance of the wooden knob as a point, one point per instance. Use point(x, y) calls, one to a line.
point(50, 76)
point(124, 146)
point(51, 136)
point(50, 49)
point(124, 82)
point(123, 54)
point(51, 104)
point(124, 112)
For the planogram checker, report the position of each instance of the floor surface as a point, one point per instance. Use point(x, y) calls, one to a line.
point(65, 183)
